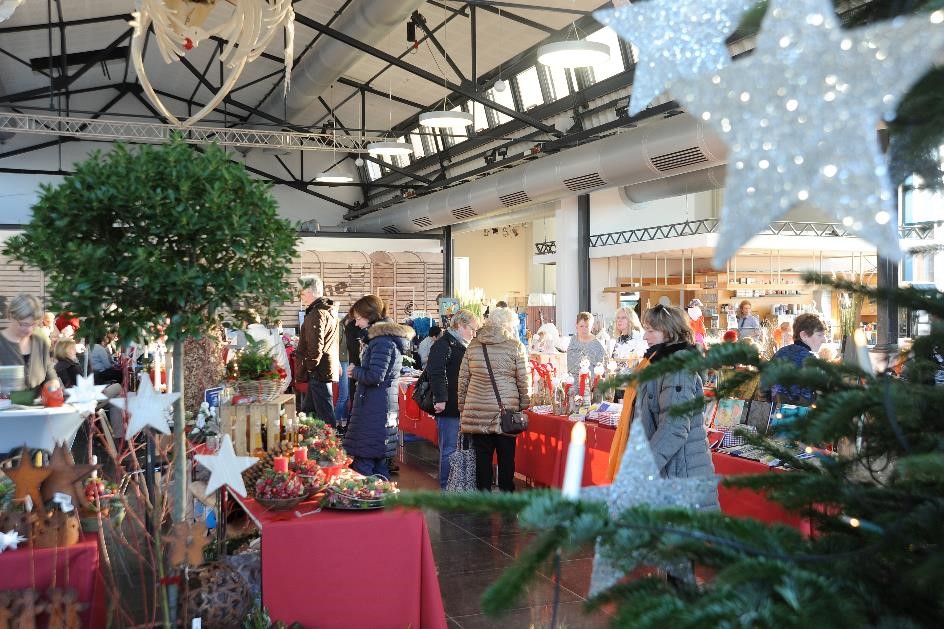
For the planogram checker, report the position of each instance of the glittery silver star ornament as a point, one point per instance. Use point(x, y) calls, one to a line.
point(638, 483)
point(146, 407)
point(85, 395)
point(800, 116)
point(675, 38)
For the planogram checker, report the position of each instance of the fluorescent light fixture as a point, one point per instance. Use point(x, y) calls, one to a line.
point(445, 119)
point(333, 178)
point(573, 54)
point(389, 148)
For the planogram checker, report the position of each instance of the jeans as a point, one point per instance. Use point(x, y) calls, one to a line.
point(369, 467)
point(448, 430)
point(340, 410)
point(319, 400)
point(485, 446)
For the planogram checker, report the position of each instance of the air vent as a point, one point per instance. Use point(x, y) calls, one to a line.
point(678, 159)
point(391, 229)
point(464, 213)
point(584, 182)
point(423, 222)
point(515, 198)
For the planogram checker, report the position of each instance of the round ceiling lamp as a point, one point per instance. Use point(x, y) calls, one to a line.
point(333, 178)
point(500, 85)
point(389, 148)
point(445, 119)
point(578, 53)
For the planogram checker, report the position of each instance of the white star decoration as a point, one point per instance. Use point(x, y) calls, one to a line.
point(800, 116)
point(226, 468)
point(638, 483)
point(146, 407)
point(675, 38)
point(10, 540)
point(84, 396)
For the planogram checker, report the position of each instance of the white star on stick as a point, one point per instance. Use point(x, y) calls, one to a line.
point(675, 38)
point(226, 468)
point(800, 116)
point(10, 540)
point(637, 483)
point(85, 395)
point(146, 407)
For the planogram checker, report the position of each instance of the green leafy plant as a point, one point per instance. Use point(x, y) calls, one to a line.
point(255, 362)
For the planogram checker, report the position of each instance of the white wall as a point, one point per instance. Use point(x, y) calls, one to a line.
point(498, 265)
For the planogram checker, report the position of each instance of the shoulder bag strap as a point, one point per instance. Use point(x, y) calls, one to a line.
point(491, 376)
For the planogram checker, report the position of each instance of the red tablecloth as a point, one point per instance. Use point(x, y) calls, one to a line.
point(74, 567)
point(348, 569)
point(541, 452)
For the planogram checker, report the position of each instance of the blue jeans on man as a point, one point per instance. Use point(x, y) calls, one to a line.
point(448, 430)
point(340, 409)
point(319, 401)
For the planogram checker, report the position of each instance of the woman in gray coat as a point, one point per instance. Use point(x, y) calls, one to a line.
point(679, 444)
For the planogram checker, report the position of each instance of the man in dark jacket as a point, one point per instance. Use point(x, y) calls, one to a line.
point(442, 370)
point(316, 357)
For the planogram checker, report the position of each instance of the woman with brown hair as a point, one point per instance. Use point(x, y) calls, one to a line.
point(748, 324)
point(494, 349)
point(376, 400)
point(21, 346)
point(679, 443)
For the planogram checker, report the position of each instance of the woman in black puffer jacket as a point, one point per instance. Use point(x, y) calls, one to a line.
point(376, 398)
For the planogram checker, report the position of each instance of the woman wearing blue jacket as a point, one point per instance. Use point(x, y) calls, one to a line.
point(376, 396)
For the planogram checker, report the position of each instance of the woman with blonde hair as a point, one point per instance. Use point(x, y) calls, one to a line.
point(442, 370)
point(495, 352)
point(679, 443)
point(627, 335)
point(21, 346)
point(67, 363)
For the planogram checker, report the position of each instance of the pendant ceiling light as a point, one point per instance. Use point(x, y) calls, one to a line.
point(389, 149)
point(573, 53)
point(444, 118)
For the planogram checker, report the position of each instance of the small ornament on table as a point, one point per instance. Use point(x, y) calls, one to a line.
point(27, 478)
point(65, 476)
point(583, 386)
point(226, 468)
point(597, 379)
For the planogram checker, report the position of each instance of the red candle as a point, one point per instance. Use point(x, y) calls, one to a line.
point(280, 464)
point(301, 455)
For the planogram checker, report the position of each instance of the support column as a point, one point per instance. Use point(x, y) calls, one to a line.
point(447, 261)
point(567, 270)
point(887, 337)
point(583, 252)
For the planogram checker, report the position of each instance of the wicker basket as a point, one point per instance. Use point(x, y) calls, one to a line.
point(261, 390)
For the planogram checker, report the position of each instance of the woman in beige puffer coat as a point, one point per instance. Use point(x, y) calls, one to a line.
point(479, 412)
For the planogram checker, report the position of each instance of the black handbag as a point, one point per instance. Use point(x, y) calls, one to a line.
point(423, 394)
point(512, 422)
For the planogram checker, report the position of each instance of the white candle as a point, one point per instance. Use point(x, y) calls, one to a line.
point(573, 473)
point(862, 351)
point(94, 461)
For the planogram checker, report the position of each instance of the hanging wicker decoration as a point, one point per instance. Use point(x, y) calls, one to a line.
point(178, 28)
point(221, 597)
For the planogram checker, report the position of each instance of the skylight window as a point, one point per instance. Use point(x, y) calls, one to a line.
point(502, 98)
point(558, 79)
point(529, 88)
point(479, 117)
point(373, 170)
point(614, 65)
point(419, 149)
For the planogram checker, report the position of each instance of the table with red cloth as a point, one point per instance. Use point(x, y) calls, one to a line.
point(76, 567)
point(412, 419)
point(348, 568)
point(541, 456)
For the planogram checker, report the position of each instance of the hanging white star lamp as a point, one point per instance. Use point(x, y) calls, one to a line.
point(226, 468)
point(675, 38)
point(799, 116)
point(146, 408)
point(638, 483)
point(85, 395)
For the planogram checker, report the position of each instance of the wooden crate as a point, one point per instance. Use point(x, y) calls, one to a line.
point(244, 423)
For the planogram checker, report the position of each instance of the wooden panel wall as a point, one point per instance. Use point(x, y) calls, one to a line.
point(407, 281)
point(13, 281)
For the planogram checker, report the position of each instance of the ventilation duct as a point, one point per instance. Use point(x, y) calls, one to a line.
point(368, 21)
point(698, 181)
point(650, 153)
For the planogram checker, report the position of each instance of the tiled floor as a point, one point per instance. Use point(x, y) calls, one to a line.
point(472, 551)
